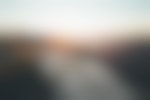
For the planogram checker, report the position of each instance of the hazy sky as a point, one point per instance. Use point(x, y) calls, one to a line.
point(74, 14)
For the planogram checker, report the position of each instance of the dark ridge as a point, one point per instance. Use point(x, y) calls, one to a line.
point(18, 79)
point(134, 65)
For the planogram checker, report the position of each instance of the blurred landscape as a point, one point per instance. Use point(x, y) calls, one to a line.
point(74, 50)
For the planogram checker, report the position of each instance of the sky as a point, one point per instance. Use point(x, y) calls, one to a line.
point(74, 15)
